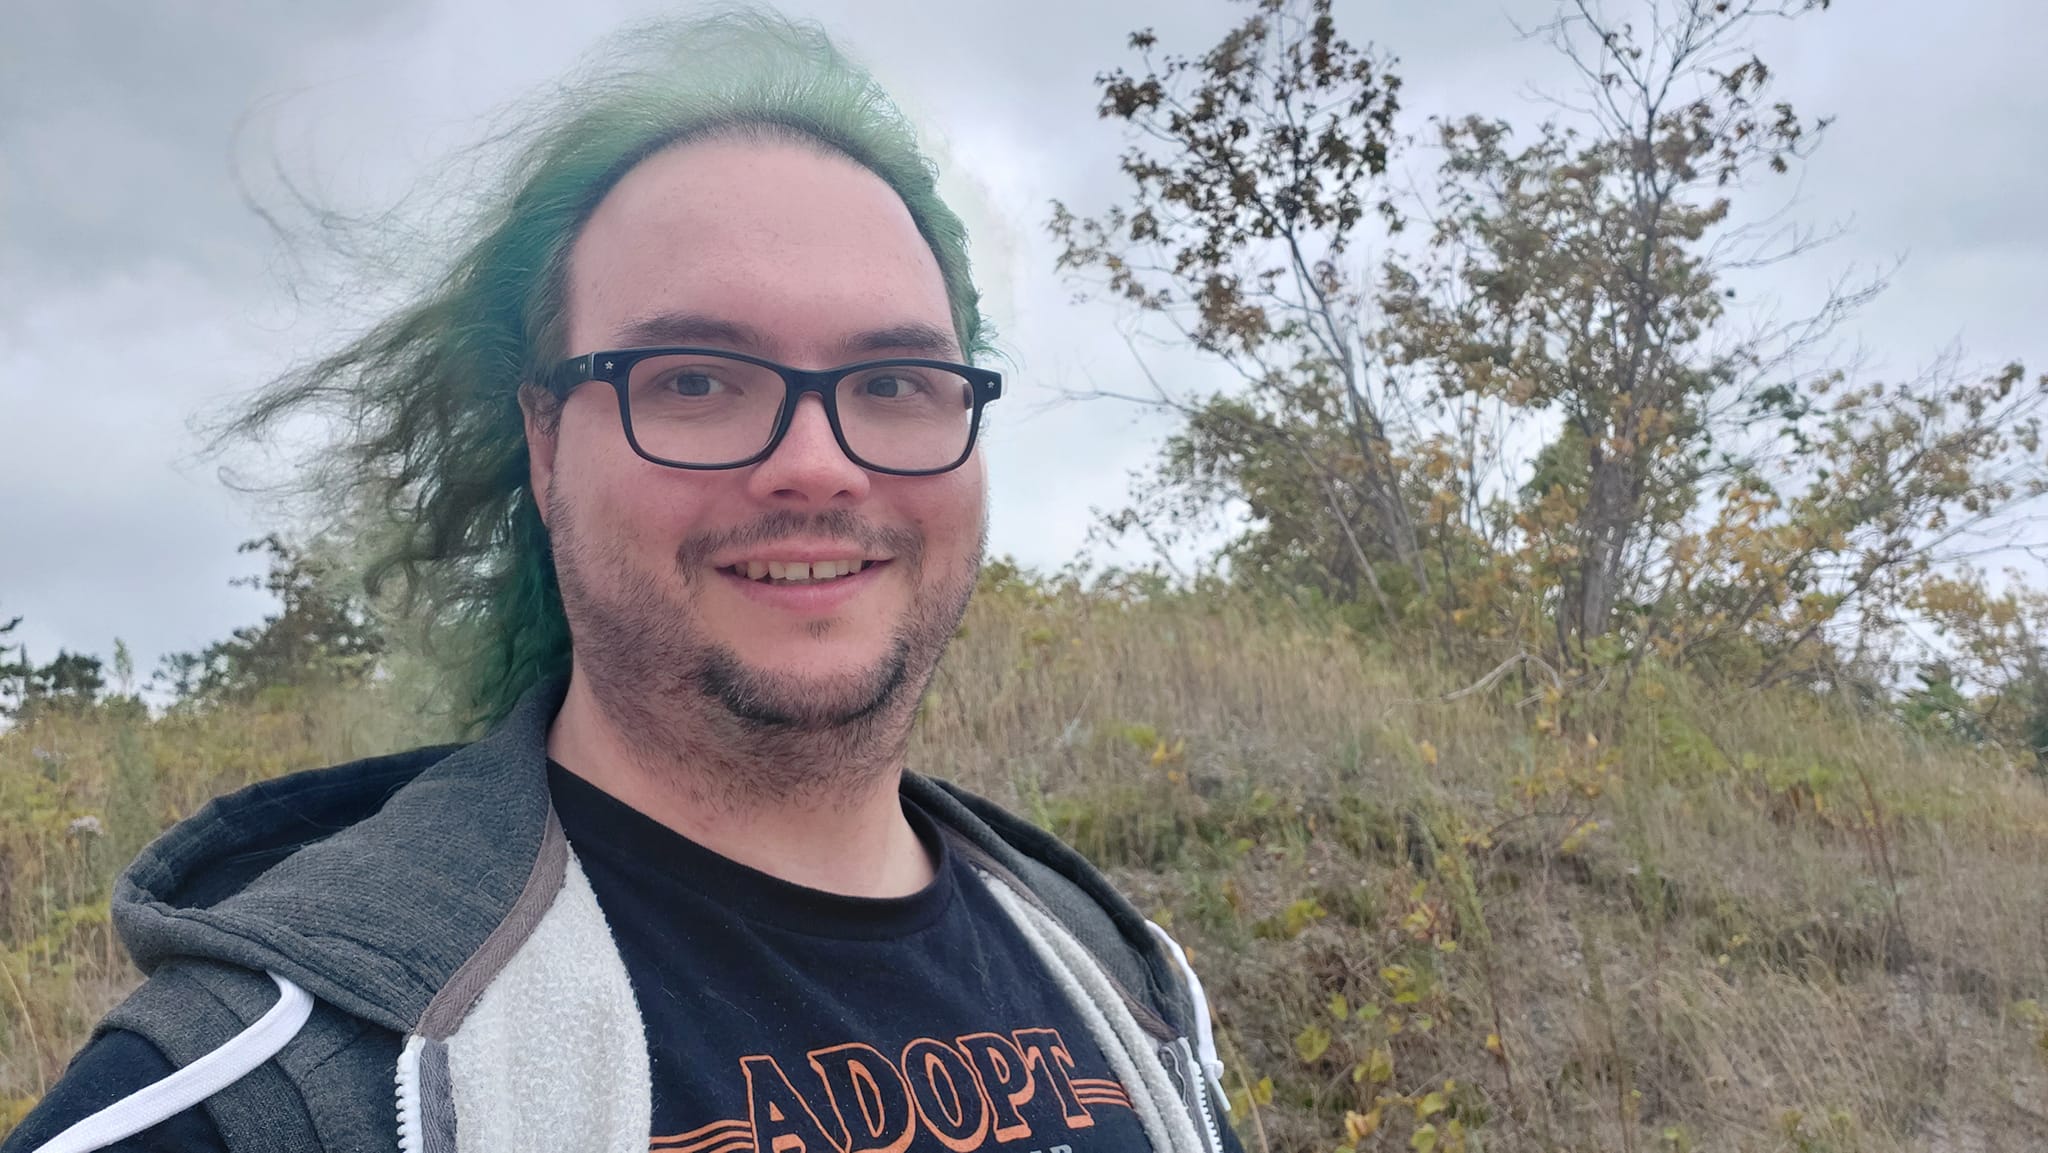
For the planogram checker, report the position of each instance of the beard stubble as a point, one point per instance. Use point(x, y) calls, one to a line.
point(732, 734)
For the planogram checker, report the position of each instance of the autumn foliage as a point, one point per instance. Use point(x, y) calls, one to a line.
point(1541, 424)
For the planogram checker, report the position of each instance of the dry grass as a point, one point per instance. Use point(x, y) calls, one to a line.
point(1666, 920)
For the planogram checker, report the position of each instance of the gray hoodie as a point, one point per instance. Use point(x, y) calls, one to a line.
point(403, 952)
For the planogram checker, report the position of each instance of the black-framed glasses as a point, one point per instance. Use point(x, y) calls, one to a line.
point(706, 408)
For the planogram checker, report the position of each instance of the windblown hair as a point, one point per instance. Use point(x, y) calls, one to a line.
point(430, 466)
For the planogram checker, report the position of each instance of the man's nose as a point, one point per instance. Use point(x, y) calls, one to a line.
point(809, 466)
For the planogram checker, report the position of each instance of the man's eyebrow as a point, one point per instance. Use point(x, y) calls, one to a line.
point(918, 339)
point(693, 328)
point(682, 328)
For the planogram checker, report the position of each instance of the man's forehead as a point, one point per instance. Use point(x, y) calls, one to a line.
point(731, 242)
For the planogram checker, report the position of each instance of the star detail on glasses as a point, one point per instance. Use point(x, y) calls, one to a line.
point(607, 366)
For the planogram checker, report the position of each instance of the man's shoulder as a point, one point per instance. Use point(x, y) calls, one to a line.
point(114, 1065)
point(367, 882)
point(238, 836)
point(372, 779)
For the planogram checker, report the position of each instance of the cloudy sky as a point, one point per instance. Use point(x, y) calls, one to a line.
point(138, 290)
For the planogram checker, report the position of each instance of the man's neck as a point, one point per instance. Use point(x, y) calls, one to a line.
point(853, 840)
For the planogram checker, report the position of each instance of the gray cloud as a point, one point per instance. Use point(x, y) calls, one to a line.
point(119, 120)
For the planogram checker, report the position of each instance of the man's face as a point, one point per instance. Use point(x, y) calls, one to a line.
point(801, 257)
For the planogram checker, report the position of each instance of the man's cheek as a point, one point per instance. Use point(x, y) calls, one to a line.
point(650, 523)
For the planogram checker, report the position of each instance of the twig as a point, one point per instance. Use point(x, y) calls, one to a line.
point(1879, 846)
point(1522, 656)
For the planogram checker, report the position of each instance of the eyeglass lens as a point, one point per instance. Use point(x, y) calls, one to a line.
point(705, 410)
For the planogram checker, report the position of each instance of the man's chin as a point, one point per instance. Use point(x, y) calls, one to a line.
point(793, 700)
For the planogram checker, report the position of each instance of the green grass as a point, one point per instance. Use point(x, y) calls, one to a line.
point(1669, 920)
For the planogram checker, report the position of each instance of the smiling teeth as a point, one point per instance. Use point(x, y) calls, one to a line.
point(776, 570)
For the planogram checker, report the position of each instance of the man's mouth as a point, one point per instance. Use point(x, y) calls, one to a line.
point(798, 572)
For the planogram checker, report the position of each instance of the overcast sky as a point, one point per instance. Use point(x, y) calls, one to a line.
point(137, 289)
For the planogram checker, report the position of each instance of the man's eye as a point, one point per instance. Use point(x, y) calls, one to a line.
point(889, 387)
point(695, 384)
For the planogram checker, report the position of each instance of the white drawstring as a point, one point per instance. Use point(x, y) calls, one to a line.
point(1205, 1037)
point(195, 1082)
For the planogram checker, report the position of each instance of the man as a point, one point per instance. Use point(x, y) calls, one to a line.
point(692, 421)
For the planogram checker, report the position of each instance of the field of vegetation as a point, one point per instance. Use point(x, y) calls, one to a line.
point(1429, 918)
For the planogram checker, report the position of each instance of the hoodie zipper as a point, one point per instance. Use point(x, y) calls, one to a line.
point(1192, 1081)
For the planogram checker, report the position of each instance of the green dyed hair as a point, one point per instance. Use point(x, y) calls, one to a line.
point(431, 468)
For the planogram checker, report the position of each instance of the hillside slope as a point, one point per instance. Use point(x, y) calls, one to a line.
point(1659, 919)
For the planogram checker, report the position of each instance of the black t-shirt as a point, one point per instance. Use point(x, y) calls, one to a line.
point(921, 1024)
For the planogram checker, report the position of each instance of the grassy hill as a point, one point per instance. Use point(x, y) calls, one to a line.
point(1644, 918)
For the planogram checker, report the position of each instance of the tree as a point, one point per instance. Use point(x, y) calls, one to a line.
point(1704, 486)
point(13, 670)
point(1255, 167)
point(320, 635)
point(74, 677)
point(180, 673)
point(1992, 684)
point(69, 682)
point(1714, 486)
point(1585, 275)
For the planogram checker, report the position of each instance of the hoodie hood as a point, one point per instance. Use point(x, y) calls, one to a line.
point(370, 884)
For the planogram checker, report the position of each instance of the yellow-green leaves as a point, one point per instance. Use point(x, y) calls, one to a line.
point(1311, 1043)
point(1376, 1069)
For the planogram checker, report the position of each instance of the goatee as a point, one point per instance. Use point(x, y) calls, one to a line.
point(737, 735)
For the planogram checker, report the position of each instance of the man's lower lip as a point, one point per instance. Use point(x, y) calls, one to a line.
point(809, 596)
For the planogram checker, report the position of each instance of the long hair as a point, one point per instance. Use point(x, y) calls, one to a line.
point(429, 467)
